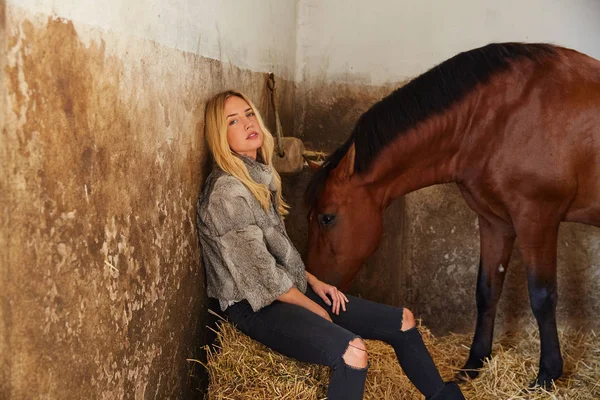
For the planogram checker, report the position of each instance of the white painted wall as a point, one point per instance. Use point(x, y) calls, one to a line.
point(380, 41)
point(386, 41)
point(259, 35)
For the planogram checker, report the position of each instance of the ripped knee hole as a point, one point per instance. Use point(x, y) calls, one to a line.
point(408, 320)
point(356, 355)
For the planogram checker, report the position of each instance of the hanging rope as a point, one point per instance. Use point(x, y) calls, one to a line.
point(271, 86)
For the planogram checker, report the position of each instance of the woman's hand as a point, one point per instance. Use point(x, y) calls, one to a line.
point(338, 299)
point(294, 296)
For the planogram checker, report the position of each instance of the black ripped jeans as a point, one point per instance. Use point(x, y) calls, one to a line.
point(301, 334)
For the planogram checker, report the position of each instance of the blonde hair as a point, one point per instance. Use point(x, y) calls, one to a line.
point(215, 131)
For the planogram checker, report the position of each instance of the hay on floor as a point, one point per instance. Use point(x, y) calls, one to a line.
point(241, 368)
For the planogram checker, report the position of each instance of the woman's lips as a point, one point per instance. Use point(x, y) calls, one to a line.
point(253, 135)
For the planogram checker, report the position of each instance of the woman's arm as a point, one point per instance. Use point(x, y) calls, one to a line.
point(294, 296)
point(311, 279)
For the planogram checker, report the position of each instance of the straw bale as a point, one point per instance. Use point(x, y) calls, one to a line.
point(241, 368)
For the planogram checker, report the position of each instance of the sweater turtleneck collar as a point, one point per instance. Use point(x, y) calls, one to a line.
point(259, 171)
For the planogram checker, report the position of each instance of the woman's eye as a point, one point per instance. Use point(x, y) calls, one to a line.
point(250, 114)
point(232, 122)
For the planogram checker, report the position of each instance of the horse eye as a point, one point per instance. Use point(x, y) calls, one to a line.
point(326, 219)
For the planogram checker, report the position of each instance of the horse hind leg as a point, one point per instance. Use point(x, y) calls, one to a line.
point(538, 235)
point(496, 243)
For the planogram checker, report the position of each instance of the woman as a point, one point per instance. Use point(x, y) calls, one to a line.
point(259, 278)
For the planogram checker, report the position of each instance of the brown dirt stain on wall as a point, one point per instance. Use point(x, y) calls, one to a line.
point(105, 158)
point(102, 237)
point(4, 232)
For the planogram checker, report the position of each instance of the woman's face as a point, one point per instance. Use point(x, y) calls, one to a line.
point(243, 132)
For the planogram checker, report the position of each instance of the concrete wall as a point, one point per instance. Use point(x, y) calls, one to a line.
point(102, 160)
point(352, 53)
point(102, 157)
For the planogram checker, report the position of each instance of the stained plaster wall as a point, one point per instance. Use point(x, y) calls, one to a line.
point(352, 53)
point(102, 288)
point(103, 156)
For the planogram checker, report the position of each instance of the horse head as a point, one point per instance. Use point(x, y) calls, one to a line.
point(344, 225)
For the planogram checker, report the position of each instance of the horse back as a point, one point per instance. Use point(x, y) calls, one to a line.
point(540, 135)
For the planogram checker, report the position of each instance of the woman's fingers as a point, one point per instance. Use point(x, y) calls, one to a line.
point(343, 300)
point(339, 300)
point(336, 301)
point(323, 295)
point(334, 298)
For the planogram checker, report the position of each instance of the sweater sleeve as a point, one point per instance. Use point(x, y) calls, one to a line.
point(244, 252)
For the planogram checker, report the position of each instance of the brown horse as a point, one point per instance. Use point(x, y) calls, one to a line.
point(517, 127)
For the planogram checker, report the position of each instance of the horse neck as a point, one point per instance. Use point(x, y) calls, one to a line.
point(421, 157)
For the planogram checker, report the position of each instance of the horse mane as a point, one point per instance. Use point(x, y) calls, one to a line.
point(429, 94)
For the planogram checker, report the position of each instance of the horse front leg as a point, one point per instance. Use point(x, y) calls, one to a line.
point(538, 248)
point(496, 243)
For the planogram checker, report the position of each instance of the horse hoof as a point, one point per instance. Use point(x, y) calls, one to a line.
point(469, 371)
point(465, 375)
point(542, 383)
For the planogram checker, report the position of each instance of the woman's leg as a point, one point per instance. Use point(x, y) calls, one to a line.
point(298, 333)
point(395, 326)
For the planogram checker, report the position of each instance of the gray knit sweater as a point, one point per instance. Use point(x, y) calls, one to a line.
point(246, 251)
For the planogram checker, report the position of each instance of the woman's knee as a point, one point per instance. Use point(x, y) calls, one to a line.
point(356, 354)
point(408, 320)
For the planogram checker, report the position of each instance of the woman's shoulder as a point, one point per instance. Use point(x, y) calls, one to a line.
point(220, 184)
point(223, 203)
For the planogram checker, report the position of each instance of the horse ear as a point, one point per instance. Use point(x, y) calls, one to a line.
point(345, 168)
point(350, 156)
point(314, 167)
